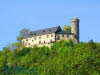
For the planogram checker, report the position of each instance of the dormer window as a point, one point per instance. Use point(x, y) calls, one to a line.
point(43, 31)
point(50, 30)
point(34, 33)
point(31, 34)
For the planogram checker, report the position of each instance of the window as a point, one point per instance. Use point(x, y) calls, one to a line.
point(51, 40)
point(39, 37)
point(30, 35)
point(62, 35)
point(26, 39)
point(44, 41)
point(35, 38)
point(58, 37)
point(29, 44)
point(39, 42)
point(44, 31)
point(34, 33)
point(51, 35)
point(50, 30)
point(67, 35)
point(75, 36)
point(47, 36)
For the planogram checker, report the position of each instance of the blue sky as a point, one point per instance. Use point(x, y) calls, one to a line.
point(38, 14)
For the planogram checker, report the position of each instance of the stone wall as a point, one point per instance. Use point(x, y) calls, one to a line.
point(46, 39)
point(39, 40)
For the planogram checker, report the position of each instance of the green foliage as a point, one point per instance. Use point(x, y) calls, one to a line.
point(24, 32)
point(63, 58)
point(91, 44)
point(67, 28)
point(19, 38)
point(12, 46)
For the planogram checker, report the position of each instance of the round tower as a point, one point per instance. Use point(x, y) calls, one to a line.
point(75, 28)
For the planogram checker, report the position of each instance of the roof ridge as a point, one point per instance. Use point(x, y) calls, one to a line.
point(45, 29)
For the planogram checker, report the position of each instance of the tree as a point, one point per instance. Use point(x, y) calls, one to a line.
point(67, 28)
point(12, 46)
point(91, 45)
point(22, 34)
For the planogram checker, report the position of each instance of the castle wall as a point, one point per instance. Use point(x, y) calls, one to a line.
point(39, 40)
point(48, 38)
point(64, 37)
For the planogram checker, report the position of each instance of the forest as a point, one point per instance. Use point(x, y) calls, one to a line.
point(62, 58)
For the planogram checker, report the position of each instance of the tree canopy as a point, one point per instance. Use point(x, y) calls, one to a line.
point(22, 34)
point(67, 28)
point(63, 58)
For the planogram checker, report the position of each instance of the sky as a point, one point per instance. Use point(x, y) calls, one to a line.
point(39, 14)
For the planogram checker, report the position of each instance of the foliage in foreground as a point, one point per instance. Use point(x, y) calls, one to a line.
point(63, 58)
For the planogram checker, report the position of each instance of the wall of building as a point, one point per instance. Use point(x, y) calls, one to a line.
point(46, 39)
point(39, 40)
point(64, 37)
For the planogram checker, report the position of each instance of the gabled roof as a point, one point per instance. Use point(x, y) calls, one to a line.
point(45, 31)
point(56, 29)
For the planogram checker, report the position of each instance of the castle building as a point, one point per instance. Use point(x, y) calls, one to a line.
point(51, 35)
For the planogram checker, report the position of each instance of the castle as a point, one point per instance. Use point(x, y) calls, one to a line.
point(51, 35)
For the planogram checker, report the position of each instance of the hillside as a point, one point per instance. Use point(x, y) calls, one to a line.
point(63, 58)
